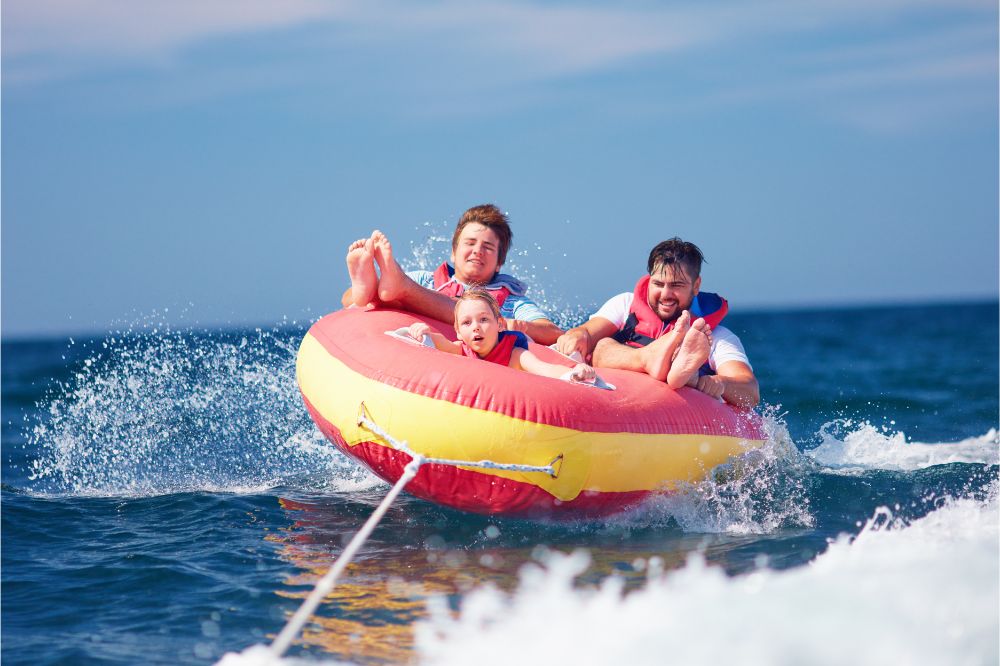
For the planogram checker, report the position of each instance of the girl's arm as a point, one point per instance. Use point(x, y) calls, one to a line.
point(528, 362)
point(418, 330)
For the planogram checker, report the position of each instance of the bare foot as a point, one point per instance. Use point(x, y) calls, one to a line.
point(392, 284)
point(691, 355)
point(658, 354)
point(682, 324)
point(361, 268)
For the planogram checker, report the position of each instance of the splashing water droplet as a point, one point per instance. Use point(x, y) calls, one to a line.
point(161, 413)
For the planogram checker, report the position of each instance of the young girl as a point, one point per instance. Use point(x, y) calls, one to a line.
point(480, 335)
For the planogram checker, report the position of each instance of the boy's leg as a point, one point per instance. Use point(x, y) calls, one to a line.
point(361, 268)
point(397, 289)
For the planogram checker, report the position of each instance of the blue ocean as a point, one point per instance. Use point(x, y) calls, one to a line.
point(167, 500)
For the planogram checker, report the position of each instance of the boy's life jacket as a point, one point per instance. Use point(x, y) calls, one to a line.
point(503, 349)
point(643, 326)
point(500, 286)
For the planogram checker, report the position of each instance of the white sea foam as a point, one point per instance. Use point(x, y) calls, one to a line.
point(757, 493)
point(260, 655)
point(924, 593)
point(848, 445)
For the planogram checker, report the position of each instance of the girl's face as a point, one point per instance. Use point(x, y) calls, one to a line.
point(476, 326)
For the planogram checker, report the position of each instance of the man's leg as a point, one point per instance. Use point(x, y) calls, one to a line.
point(691, 355)
point(397, 289)
point(654, 359)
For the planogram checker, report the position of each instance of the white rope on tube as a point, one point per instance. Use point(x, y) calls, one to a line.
point(327, 582)
point(399, 445)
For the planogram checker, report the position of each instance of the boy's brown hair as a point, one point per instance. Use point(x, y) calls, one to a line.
point(492, 218)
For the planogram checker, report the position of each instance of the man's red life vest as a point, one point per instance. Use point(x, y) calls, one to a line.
point(503, 349)
point(445, 283)
point(643, 326)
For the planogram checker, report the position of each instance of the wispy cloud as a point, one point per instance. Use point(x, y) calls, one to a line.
point(559, 38)
point(81, 28)
point(822, 45)
point(91, 34)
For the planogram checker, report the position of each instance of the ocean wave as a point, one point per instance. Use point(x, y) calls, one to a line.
point(849, 445)
point(875, 588)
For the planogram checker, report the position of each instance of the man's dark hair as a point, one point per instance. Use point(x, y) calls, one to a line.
point(676, 251)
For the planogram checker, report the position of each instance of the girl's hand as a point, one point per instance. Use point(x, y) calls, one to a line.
point(583, 373)
point(418, 330)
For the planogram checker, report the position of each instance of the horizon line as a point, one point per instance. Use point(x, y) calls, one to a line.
point(290, 322)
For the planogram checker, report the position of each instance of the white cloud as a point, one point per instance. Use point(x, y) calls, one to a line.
point(555, 38)
point(126, 28)
point(421, 51)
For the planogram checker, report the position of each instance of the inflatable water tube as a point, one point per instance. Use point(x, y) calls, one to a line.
point(612, 448)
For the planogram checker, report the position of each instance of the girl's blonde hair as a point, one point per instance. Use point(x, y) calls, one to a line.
point(478, 294)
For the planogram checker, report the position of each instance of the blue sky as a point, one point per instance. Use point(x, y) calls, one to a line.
point(210, 161)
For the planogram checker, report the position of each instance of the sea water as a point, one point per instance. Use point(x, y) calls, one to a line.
point(167, 500)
